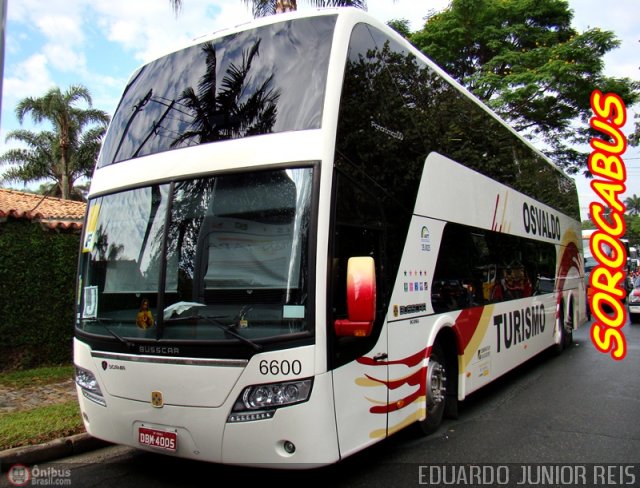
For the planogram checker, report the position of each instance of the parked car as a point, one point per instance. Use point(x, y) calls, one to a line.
point(633, 302)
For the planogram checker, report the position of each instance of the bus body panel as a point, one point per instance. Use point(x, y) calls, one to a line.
point(135, 377)
point(309, 426)
point(203, 432)
point(361, 413)
point(482, 202)
point(204, 159)
point(492, 339)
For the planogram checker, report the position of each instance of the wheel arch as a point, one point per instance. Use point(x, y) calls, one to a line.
point(448, 339)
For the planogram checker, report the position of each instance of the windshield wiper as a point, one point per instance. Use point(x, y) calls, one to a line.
point(101, 320)
point(229, 329)
point(171, 312)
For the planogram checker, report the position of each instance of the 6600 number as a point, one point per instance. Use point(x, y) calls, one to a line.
point(275, 367)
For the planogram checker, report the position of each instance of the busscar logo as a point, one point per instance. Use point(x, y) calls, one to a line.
point(166, 350)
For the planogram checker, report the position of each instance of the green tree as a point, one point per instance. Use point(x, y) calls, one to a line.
point(401, 26)
point(633, 229)
point(523, 58)
point(63, 154)
point(634, 137)
point(633, 205)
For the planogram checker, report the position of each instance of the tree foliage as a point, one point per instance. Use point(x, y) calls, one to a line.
point(633, 229)
point(526, 61)
point(633, 204)
point(63, 154)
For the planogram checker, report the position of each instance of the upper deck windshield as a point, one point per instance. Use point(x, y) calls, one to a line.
point(221, 259)
point(263, 80)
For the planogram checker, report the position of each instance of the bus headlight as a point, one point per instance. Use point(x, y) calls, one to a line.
point(88, 383)
point(259, 402)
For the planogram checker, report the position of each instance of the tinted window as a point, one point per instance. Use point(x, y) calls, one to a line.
point(264, 80)
point(395, 111)
point(476, 267)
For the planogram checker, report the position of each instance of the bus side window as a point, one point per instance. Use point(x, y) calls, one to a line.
point(477, 266)
point(453, 279)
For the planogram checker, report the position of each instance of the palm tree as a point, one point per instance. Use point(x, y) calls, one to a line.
point(64, 154)
point(633, 205)
point(261, 8)
point(221, 113)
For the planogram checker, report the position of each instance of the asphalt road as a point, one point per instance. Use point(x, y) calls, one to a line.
point(580, 407)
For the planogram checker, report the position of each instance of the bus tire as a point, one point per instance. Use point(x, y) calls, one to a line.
point(436, 390)
point(559, 342)
point(568, 327)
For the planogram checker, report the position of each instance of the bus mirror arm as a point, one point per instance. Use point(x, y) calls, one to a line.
point(361, 298)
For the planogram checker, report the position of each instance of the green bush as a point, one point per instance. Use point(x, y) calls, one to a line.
point(37, 293)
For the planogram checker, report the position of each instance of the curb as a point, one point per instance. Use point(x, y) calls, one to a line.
point(49, 451)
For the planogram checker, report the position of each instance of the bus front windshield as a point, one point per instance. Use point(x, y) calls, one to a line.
point(221, 259)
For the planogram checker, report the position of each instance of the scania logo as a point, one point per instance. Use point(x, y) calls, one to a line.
point(106, 366)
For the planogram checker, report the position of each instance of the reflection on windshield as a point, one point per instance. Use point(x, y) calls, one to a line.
point(228, 253)
point(264, 80)
point(127, 239)
point(220, 114)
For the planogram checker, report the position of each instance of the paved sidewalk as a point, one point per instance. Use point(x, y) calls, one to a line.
point(14, 399)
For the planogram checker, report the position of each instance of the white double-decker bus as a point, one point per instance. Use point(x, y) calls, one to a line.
point(302, 236)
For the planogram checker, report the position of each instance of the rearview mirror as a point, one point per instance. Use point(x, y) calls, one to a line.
point(361, 298)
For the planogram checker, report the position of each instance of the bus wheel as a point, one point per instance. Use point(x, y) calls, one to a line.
point(436, 390)
point(559, 334)
point(568, 328)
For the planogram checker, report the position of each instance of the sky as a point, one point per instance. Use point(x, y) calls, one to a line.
point(99, 43)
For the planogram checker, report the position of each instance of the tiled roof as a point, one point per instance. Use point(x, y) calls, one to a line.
point(54, 213)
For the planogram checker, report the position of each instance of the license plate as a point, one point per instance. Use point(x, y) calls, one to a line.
point(158, 438)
